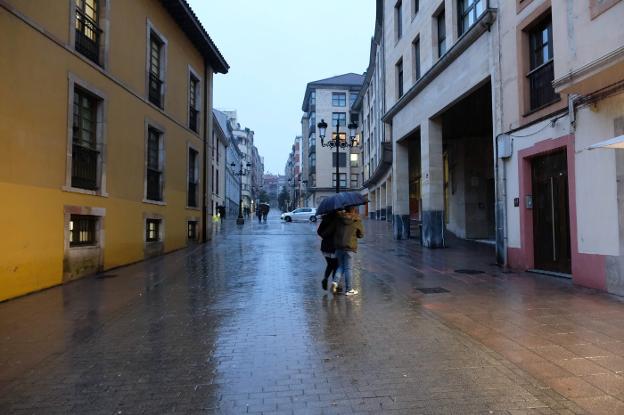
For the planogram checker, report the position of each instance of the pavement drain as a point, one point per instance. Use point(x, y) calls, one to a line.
point(105, 276)
point(469, 271)
point(433, 290)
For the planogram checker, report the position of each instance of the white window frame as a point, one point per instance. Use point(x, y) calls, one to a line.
point(162, 162)
point(100, 136)
point(163, 66)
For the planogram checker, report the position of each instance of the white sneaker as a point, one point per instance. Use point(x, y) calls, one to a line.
point(334, 287)
point(351, 292)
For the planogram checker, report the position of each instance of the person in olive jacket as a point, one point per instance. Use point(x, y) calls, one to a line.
point(349, 229)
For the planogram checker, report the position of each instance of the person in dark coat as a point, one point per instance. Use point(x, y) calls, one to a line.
point(326, 231)
point(265, 212)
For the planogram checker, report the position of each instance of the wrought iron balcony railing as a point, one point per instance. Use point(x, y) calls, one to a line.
point(192, 194)
point(155, 88)
point(154, 191)
point(84, 167)
point(193, 119)
point(88, 36)
point(540, 81)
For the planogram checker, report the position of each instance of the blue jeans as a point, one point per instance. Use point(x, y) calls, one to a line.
point(345, 267)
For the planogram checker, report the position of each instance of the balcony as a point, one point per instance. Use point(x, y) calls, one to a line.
point(193, 119)
point(155, 88)
point(385, 163)
point(87, 37)
point(84, 167)
point(540, 81)
point(153, 185)
point(192, 195)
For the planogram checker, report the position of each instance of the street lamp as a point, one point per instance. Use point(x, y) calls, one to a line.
point(292, 183)
point(240, 220)
point(338, 141)
point(304, 192)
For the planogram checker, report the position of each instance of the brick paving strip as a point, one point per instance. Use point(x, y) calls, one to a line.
point(242, 326)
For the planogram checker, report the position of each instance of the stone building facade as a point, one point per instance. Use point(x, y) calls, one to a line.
point(104, 137)
point(499, 115)
point(330, 100)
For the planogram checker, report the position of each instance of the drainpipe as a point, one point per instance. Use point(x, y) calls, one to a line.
point(204, 229)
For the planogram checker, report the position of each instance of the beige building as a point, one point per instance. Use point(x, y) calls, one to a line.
point(330, 100)
point(439, 74)
point(376, 149)
point(500, 115)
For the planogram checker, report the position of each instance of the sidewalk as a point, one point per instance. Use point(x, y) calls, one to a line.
point(569, 338)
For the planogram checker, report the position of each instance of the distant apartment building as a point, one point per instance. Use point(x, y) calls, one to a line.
point(272, 188)
point(221, 140)
point(103, 137)
point(251, 162)
point(233, 160)
point(330, 100)
point(293, 172)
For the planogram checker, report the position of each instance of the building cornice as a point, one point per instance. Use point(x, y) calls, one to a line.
point(592, 68)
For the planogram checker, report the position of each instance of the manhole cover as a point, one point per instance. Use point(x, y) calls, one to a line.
point(105, 276)
point(468, 271)
point(433, 290)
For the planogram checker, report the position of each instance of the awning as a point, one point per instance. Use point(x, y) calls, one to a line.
point(616, 142)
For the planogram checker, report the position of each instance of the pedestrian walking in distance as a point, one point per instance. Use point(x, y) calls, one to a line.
point(326, 231)
point(349, 229)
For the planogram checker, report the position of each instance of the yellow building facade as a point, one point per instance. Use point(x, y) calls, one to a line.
point(102, 125)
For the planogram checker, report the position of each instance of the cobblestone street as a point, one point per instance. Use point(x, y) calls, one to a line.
point(241, 325)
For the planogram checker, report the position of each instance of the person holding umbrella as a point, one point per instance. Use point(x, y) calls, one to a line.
point(347, 229)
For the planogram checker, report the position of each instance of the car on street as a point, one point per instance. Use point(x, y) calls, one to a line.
point(304, 214)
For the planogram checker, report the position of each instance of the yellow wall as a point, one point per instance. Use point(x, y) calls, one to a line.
point(34, 134)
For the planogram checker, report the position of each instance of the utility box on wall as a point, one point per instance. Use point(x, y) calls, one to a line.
point(504, 146)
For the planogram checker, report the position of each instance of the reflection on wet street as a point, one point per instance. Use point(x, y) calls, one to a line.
point(241, 325)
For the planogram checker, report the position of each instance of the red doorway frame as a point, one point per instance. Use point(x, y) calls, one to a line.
point(588, 270)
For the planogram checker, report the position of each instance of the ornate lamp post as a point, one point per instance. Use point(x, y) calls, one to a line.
point(240, 220)
point(338, 141)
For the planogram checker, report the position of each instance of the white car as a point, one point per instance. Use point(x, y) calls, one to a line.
point(304, 214)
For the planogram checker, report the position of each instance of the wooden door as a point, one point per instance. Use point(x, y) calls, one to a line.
point(551, 218)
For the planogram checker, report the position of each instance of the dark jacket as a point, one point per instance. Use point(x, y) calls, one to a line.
point(326, 231)
point(349, 229)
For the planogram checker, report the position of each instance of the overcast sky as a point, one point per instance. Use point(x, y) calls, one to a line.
point(274, 48)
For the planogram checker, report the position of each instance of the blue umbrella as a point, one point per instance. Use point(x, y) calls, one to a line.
point(340, 201)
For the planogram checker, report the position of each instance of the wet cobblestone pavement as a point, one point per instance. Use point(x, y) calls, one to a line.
point(241, 325)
